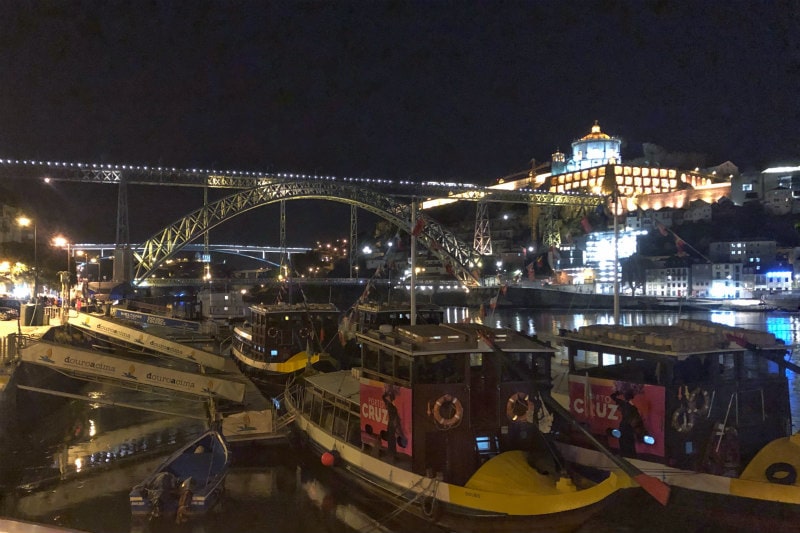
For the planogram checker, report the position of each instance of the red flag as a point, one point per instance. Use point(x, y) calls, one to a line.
point(679, 245)
point(585, 224)
point(418, 227)
point(662, 229)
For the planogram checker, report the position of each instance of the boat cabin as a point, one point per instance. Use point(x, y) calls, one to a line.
point(279, 337)
point(697, 395)
point(364, 316)
point(437, 398)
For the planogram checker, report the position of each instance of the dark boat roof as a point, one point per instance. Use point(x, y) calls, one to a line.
point(425, 339)
point(341, 384)
point(390, 307)
point(677, 341)
point(284, 307)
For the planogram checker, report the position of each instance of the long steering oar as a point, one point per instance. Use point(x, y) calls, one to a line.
point(741, 341)
point(653, 486)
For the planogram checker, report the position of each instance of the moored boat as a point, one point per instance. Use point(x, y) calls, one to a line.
point(188, 484)
point(369, 314)
point(441, 422)
point(703, 406)
point(281, 340)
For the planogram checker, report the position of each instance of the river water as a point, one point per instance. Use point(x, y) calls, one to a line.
point(71, 464)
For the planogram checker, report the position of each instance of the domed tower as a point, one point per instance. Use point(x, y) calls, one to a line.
point(595, 149)
point(558, 162)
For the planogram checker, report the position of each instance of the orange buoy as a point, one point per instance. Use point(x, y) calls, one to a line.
point(328, 459)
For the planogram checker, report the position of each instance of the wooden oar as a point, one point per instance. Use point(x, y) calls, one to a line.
point(653, 486)
point(741, 341)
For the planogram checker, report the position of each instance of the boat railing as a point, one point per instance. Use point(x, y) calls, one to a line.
point(292, 395)
point(284, 420)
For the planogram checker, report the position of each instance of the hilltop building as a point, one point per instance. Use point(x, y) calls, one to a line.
point(592, 150)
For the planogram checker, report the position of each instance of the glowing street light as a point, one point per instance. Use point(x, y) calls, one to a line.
point(25, 222)
point(61, 242)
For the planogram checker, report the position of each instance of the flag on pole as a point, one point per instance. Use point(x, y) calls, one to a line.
point(679, 244)
point(418, 227)
point(587, 227)
point(661, 229)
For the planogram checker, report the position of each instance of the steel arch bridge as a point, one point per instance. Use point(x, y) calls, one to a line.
point(459, 258)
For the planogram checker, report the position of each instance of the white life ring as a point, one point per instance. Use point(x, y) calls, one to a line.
point(455, 418)
point(684, 417)
point(303, 332)
point(520, 408)
point(272, 332)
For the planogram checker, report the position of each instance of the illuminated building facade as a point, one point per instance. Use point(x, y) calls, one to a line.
point(595, 149)
point(640, 187)
point(599, 255)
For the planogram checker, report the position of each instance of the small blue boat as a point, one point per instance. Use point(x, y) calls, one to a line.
point(188, 484)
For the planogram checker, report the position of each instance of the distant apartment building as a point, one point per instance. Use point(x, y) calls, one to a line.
point(672, 282)
point(778, 201)
point(754, 254)
point(704, 280)
point(777, 188)
point(727, 281)
point(701, 276)
point(779, 280)
point(698, 211)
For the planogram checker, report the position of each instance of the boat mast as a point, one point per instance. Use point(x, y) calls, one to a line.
point(616, 255)
point(610, 186)
point(413, 301)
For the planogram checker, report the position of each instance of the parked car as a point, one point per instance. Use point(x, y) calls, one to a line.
point(8, 313)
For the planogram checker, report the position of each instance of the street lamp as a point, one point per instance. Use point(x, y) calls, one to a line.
point(82, 266)
point(25, 222)
point(95, 262)
point(62, 242)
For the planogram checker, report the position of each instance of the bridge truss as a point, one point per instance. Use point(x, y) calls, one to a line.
point(458, 258)
point(381, 197)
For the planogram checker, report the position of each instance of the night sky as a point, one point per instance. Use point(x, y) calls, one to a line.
point(466, 91)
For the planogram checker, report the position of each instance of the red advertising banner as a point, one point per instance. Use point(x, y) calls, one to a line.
point(386, 414)
point(602, 411)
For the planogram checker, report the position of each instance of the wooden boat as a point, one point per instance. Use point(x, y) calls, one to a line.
point(282, 339)
point(371, 315)
point(439, 424)
point(702, 406)
point(188, 484)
